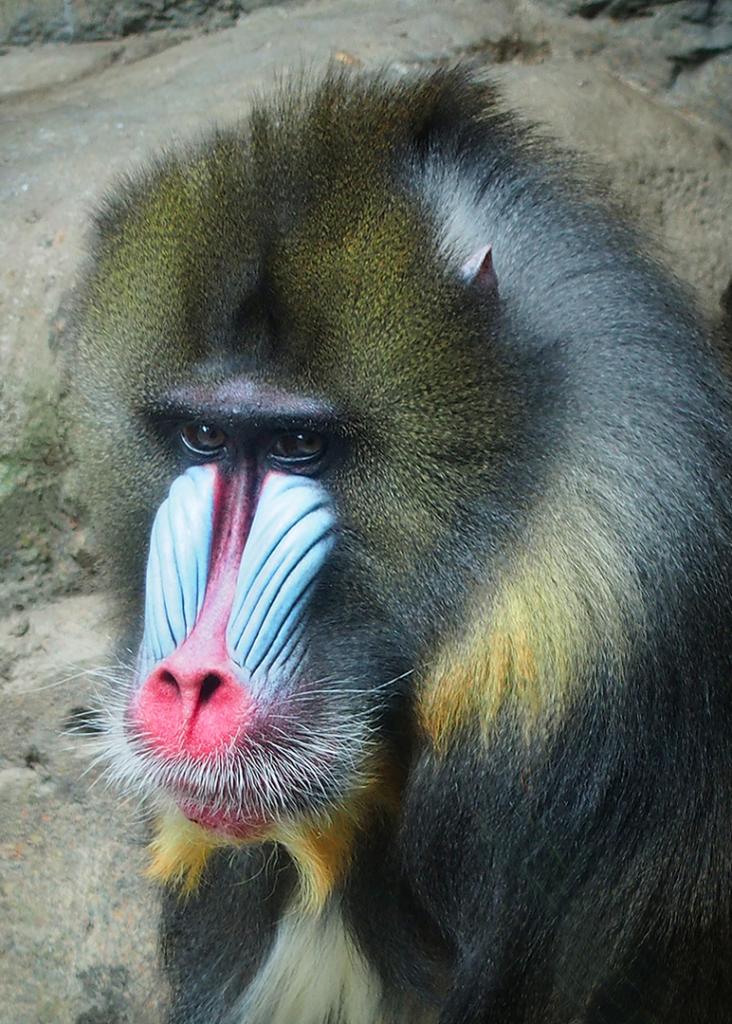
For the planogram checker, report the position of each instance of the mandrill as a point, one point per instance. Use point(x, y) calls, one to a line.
point(412, 474)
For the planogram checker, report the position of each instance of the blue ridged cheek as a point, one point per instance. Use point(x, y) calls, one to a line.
point(290, 538)
point(177, 567)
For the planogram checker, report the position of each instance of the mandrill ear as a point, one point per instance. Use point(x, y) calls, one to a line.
point(478, 269)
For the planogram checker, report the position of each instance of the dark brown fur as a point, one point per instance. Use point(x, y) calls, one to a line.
point(534, 493)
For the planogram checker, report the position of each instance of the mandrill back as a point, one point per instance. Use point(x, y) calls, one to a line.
point(411, 470)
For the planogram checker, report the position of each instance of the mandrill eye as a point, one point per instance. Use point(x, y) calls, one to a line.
point(297, 449)
point(203, 438)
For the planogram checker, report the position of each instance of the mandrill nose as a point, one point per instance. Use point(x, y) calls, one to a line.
point(192, 704)
point(191, 686)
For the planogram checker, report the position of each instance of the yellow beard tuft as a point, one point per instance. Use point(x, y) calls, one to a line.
point(320, 846)
point(180, 849)
point(321, 853)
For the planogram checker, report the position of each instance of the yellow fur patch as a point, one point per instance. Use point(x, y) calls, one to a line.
point(322, 853)
point(180, 849)
point(320, 847)
point(568, 600)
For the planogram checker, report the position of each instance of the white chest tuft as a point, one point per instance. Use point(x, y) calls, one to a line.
point(315, 974)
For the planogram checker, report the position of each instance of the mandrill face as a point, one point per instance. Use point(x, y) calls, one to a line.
point(269, 373)
point(231, 569)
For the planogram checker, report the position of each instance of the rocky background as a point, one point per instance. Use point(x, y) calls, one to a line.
point(89, 88)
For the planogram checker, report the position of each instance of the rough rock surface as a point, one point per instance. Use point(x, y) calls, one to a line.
point(27, 21)
point(77, 921)
point(681, 47)
point(77, 940)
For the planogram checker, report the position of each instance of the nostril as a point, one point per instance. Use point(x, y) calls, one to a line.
point(190, 708)
point(209, 686)
point(203, 686)
point(169, 678)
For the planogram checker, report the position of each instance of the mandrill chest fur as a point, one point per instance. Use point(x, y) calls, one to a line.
point(412, 473)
